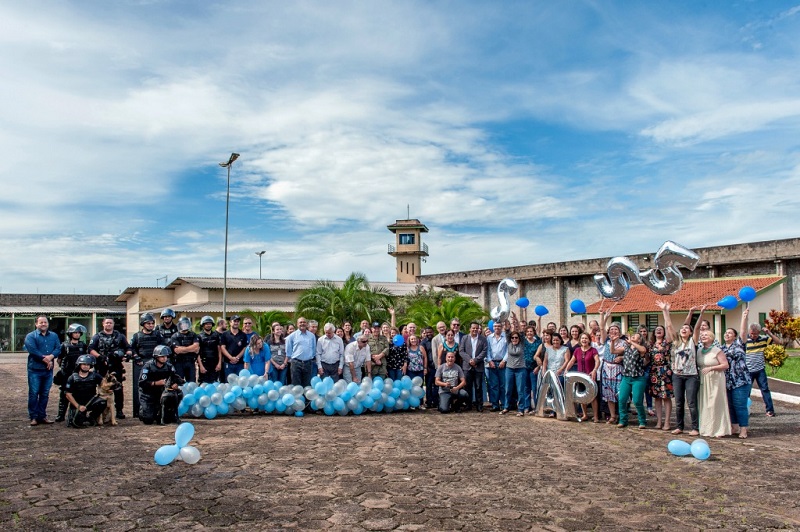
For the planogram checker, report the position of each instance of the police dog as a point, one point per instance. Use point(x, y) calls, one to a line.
point(105, 391)
point(169, 402)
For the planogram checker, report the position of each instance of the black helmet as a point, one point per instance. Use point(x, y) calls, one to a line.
point(207, 319)
point(147, 316)
point(76, 327)
point(161, 351)
point(168, 312)
point(184, 324)
point(85, 359)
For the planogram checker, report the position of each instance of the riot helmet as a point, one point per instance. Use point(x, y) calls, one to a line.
point(76, 328)
point(161, 351)
point(206, 319)
point(184, 324)
point(85, 359)
point(167, 312)
point(147, 316)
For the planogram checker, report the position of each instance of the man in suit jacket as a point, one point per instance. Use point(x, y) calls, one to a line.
point(473, 348)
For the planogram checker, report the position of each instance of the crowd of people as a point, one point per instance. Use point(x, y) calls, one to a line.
point(499, 369)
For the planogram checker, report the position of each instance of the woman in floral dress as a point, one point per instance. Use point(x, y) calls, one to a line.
point(661, 377)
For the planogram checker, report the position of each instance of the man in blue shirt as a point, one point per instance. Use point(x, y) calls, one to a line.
point(498, 348)
point(301, 348)
point(43, 346)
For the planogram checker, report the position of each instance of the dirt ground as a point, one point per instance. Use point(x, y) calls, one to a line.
point(409, 471)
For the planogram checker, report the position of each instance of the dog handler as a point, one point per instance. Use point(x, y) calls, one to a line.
point(80, 390)
point(155, 374)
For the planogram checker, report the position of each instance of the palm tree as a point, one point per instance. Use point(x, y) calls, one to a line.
point(353, 301)
point(426, 313)
point(262, 321)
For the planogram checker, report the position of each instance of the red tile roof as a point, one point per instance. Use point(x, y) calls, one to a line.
point(693, 293)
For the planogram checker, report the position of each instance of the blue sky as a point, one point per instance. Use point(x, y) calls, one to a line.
point(519, 132)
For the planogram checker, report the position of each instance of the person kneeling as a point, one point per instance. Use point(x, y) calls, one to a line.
point(159, 392)
point(81, 393)
point(451, 382)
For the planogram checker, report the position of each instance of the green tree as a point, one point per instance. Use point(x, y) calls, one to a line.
point(424, 312)
point(262, 321)
point(353, 301)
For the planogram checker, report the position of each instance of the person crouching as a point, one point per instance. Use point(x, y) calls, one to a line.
point(156, 373)
point(81, 392)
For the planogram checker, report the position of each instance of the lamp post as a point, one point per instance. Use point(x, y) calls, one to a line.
point(260, 254)
point(227, 165)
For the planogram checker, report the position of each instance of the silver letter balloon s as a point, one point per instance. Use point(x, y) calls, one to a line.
point(505, 290)
point(622, 273)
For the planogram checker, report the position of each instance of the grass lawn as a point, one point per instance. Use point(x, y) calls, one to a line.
point(790, 371)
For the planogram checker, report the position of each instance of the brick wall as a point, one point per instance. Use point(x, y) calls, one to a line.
point(59, 300)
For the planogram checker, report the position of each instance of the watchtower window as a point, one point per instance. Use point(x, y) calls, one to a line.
point(406, 239)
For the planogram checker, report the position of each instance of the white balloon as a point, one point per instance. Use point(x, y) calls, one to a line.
point(297, 391)
point(216, 398)
point(416, 381)
point(189, 454)
point(204, 401)
point(233, 379)
point(263, 399)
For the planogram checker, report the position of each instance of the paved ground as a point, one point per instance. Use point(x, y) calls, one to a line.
point(412, 471)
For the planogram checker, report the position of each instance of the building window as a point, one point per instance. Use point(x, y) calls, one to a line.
point(633, 321)
point(406, 239)
point(762, 318)
point(651, 320)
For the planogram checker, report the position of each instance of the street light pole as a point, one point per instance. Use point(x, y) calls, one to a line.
point(260, 254)
point(227, 165)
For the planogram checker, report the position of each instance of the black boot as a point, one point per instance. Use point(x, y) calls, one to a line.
point(120, 415)
point(62, 407)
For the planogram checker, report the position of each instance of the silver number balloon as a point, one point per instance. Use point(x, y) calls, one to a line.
point(551, 396)
point(666, 278)
point(505, 290)
point(620, 274)
point(584, 394)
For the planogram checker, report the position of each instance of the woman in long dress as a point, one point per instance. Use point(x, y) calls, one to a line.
point(715, 421)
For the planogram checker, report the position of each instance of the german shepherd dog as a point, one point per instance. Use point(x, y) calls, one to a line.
point(106, 391)
point(169, 403)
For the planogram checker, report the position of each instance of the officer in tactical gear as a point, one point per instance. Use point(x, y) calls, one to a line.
point(156, 374)
point(142, 345)
point(167, 327)
point(110, 348)
point(72, 348)
point(210, 360)
point(81, 391)
point(185, 345)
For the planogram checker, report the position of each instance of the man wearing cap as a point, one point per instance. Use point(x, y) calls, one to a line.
point(234, 342)
point(301, 348)
point(142, 345)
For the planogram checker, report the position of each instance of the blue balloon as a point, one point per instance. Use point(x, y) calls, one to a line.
point(523, 302)
point(374, 394)
point(728, 303)
point(270, 406)
point(247, 393)
point(319, 388)
point(398, 340)
point(211, 388)
point(577, 306)
point(252, 402)
point(541, 310)
point(413, 402)
point(352, 388)
point(287, 399)
point(184, 434)
point(369, 401)
point(747, 293)
point(183, 409)
point(749, 402)
point(258, 389)
point(198, 393)
point(229, 397)
point(490, 325)
point(358, 410)
point(280, 407)
point(237, 390)
point(328, 409)
point(299, 413)
point(379, 407)
point(700, 449)
point(679, 447)
point(314, 380)
point(189, 400)
point(405, 382)
point(210, 412)
point(166, 454)
point(396, 391)
point(346, 396)
point(244, 373)
point(223, 408)
point(390, 402)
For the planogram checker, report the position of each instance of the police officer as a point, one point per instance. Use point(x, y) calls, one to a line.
point(142, 345)
point(185, 345)
point(80, 390)
point(72, 348)
point(167, 327)
point(155, 375)
point(110, 348)
point(210, 359)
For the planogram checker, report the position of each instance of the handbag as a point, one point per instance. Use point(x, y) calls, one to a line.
point(60, 378)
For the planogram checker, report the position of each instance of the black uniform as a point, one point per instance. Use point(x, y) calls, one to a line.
point(112, 348)
point(150, 394)
point(69, 354)
point(185, 363)
point(142, 346)
point(167, 332)
point(83, 390)
point(209, 355)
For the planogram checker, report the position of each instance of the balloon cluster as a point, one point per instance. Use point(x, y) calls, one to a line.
point(699, 448)
point(246, 390)
point(166, 454)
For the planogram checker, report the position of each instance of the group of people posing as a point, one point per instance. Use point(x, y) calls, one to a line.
point(712, 378)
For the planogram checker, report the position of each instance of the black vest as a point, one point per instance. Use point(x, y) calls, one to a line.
point(143, 344)
point(83, 388)
point(69, 355)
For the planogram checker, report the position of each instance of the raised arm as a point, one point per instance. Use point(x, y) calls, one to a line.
point(664, 306)
point(696, 334)
point(743, 326)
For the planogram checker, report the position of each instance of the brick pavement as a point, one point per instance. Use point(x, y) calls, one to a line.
point(411, 471)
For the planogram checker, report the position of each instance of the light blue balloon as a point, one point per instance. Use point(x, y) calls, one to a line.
point(210, 412)
point(375, 394)
point(244, 373)
point(184, 434)
point(700, 449)
point(368, 402)
point(229, 397)
point(413, 402)
point(288, 399)
point(379, 407)
point(749, 402)
point(395, 393)
point(358, 410)
point(280, 407)
point(166, 454)
point(269, 407)
point(338, 403)
point(299, 413)
point(405, 382)
point(198, 393)
point(247, 393)
point(346, 396)
point(328, 382)
point(183, 409)
point(315, 380)
point(319, 388)
point(223, 408)
point(390, 401)
point(252, 402)
point(679, 448)
point(352, 388)
point(258, 389)
point(329, 410)
point(189, 400)
point(237, 390)
point(211, 388)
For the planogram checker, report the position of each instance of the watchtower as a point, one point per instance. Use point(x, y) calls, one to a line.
point(408, 248)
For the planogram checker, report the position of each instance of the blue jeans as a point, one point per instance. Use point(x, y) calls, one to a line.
point(277, 375)
point(431, 390)
point(760, 378)
point(632, 389)
point(39, 383)
point(395, 374)
point(532, 389)
point(737, 405)
point(515, 378)
point(495, 379)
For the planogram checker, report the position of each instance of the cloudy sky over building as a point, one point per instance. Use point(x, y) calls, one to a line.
point(519, 132)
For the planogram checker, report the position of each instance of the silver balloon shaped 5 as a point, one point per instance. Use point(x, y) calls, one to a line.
point(505, 290)
point(621, 273)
